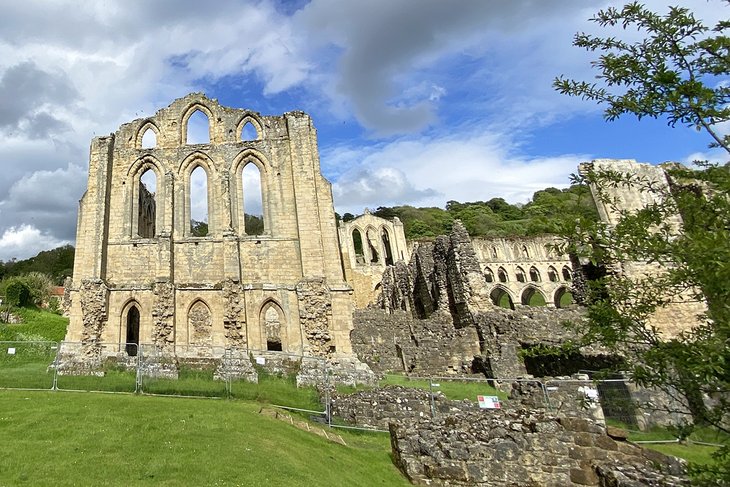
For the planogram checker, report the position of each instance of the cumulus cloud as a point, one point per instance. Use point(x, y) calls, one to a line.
point(467, 166)
point(26, 241)
point(46, 199)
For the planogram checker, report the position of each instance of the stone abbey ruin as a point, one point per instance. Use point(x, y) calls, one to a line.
point(284, 278)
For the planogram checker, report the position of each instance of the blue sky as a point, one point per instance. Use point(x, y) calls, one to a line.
point(415, 101)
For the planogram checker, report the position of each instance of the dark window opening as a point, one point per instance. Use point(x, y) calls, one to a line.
point(274, 346)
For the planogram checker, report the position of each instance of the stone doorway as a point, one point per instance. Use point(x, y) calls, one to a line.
point(132, 341)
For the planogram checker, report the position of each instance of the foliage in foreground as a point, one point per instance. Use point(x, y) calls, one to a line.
point(677, 72)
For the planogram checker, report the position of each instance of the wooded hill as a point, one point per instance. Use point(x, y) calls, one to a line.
point(551, 211)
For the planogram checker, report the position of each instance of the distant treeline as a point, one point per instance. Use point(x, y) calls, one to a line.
point(551, 211)
point(57, 263)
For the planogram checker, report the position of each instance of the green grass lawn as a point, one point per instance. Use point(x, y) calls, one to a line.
point(38, 324)
point(692, 452)
point(63, 438)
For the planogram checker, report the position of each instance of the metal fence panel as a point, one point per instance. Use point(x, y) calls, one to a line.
point(27, 365)
point(103, 367)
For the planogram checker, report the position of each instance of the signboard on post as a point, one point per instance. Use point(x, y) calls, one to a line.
point(489, 402)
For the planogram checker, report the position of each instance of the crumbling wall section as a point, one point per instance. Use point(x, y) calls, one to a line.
point(93, 296)
point(315, 314)
point(234, 321)
point(163, 335)
point(505, 448)
point(398, 342)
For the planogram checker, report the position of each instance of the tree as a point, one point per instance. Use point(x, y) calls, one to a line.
point(678, 72)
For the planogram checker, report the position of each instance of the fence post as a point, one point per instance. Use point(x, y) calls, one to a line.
point(54, 386)
point(138, 380)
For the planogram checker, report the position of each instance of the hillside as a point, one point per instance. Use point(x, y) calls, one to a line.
point(549, 212)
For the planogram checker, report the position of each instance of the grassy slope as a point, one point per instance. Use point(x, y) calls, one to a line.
point(37, 325)
point(95, 439)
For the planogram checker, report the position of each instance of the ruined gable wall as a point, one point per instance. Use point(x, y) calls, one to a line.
point(682, 313)
point(300, 241)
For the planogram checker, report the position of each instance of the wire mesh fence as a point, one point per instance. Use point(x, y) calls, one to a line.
point(27, 365)
point(307, 384)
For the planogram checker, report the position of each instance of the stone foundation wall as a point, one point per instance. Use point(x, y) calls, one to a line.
point(377, 408)
point(524, 448)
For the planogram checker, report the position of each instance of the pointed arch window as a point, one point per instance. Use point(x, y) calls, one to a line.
point(567, 274)
point(200, 323)
point(249, 132)
point(198, 201)
point(488, 275)
point(358, 246)
point(386, 248)
point(534, 274)
point(502, 275)
point(253, 200)
point(149, 138)
point(147, 204)
point(553, 274)
point(520, 274)
point(272, 320)
point(198, 128)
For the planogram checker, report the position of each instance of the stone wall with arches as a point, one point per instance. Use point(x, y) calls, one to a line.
point(215, 227)
point(368, 245)
point(525, 271)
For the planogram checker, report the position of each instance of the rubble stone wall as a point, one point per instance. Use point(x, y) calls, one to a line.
point(523, 448)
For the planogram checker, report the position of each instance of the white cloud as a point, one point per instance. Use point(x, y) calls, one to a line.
point(467, 166)
point(26, 241)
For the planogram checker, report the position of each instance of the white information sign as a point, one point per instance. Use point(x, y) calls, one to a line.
point(261, 360)
point(489, 402)
point(11, 351)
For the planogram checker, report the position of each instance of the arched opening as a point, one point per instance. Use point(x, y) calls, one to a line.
point(488, 275)
point(553, 274)
point(501, 298)
point(494, 253)
point(357, 244)
point(132, 340)
point(525, 253)
point(387, 249)
point(563, 298)
point(149, 139)
point(520, 275)
point(200, 323)
point(534, 274)
point(372, 241)
point(198, 195)
point(502, 275)
point(249, 132)
point(567, 274)
point(253, 200)
point(273, 319)
point(198, 128)
point(147, 204)
point(532, 297)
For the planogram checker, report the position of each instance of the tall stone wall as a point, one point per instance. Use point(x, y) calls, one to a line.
point(136, 249)
point(682, 313)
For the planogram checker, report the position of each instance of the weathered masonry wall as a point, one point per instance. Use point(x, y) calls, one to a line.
point(436, 316)
point(504, 448)
point(369, 244)
point(682, 313)
point(142, 274)
point(525, 271)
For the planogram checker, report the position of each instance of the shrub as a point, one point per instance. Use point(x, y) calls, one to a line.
point(17, 292)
